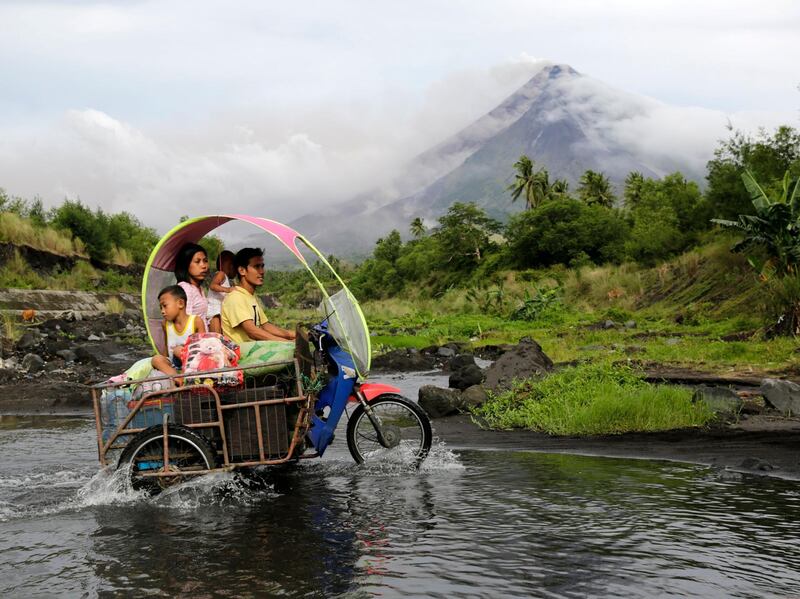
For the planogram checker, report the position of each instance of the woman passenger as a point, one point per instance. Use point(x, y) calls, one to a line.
point(191, 269)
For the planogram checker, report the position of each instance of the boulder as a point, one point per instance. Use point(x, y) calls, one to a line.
point(782, 395)
point(53, 346)
point(474, 396)
point(438, 402)
point(753, 463)
point(466, 377)
point(461, 361)
point(66, 354)
point(523, 361)
point(32, 363)
point(492, 352)
point(609, 324)
point(722, 400)
point(87, 354)
point(403, 360)
point(445, 352)
point(28, 340)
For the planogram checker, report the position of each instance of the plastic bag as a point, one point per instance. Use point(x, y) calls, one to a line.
point(203, 352)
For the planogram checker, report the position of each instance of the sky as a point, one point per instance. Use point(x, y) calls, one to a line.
point(164, 108)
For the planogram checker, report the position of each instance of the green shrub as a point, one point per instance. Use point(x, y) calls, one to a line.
point(559, 232)
point(593, 399)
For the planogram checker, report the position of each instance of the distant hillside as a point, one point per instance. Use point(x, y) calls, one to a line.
point(560, 118)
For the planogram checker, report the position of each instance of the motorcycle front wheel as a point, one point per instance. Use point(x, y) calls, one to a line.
point(407, 434)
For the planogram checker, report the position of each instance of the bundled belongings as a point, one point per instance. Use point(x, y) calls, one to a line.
point(204, 352)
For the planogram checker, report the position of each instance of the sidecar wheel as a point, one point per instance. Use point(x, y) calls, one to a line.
point(406, 426)
point(188, 451)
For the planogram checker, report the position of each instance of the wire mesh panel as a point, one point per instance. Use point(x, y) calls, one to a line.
point(195, 406)
point(244, 425)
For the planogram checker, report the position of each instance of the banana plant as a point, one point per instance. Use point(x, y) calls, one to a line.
point(775, 227)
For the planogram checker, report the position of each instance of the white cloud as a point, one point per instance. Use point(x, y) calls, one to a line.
point(168, 108)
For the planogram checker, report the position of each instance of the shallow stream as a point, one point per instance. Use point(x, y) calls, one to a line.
point(469, 524)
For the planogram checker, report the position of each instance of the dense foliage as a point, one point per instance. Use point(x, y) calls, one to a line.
point(654, 220)
point(119, 238)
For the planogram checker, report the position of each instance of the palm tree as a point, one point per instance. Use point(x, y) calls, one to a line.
point(526, 181)
point(634, 183)
point(559, 190)
point(595, 188)
point(417, 227)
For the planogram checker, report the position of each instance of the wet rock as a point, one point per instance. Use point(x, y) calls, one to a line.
point(89, 354)
point(782, 395)
point(52, 366)
point(465, 377)
point(53, 346)
point(461, 361)
point(438, 402)
point(32, 363)
point(492, 352)
point(67, 355)
point(753, 463)
point(474, 396)
point(722, 400)
point(403, 360)
point(445, 352)
point(524, 361)
point(29, 340)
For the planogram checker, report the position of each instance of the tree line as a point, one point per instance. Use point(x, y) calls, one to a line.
point(653, 220)
point(105, 236)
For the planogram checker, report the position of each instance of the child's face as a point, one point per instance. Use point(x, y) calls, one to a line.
point(198, 267)
point(227, 267)
point(171, 307)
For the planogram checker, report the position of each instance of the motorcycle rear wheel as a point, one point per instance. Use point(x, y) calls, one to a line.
point(188, 451)
point(407, 431)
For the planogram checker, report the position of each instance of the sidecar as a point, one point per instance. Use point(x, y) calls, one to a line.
point(285, 403)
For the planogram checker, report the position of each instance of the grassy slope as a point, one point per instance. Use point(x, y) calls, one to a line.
point(701, 310)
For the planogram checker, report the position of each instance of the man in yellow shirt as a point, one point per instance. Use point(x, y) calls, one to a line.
point(243, 317)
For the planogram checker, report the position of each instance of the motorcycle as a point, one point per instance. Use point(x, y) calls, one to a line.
point(276, 411)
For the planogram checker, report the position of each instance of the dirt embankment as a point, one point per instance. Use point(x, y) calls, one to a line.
point(49, 368)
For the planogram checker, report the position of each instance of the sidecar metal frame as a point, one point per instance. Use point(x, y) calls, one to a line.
point(214, 422)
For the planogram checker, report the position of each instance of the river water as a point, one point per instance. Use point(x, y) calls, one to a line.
point(468, 524)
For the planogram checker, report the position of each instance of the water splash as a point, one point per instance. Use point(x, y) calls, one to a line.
point(108, 487)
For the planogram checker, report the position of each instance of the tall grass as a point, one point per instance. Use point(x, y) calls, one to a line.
point(21, 231)
point(10, 327)
point(16, 273)
point(593, 399)
point(114, 306)
point(121, 256)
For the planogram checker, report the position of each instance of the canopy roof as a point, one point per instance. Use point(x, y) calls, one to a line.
point(345, 319)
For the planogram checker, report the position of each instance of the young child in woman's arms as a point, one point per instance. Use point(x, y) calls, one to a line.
point(177, 326)
point(219, 288)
